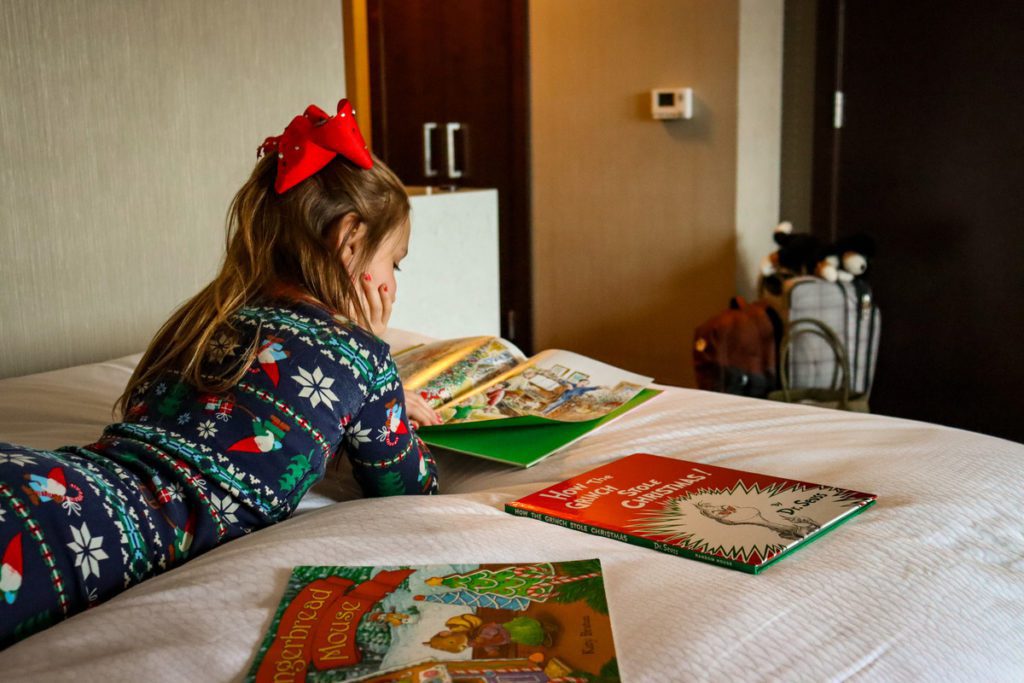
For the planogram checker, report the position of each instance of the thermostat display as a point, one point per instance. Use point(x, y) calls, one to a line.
point(672, 103)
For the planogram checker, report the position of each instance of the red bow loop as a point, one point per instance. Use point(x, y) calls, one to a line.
point(269, 146)
point(312, 140)
point(316, 114)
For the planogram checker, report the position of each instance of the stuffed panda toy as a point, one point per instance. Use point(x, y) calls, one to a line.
point(846, 259)
point(798, 253)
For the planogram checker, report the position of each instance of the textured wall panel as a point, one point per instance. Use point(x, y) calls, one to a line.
point(634, 220)
point(125, 129)
point(758, 138)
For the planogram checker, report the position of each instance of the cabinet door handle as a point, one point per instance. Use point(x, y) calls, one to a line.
point(451, 128)
point(428, 157)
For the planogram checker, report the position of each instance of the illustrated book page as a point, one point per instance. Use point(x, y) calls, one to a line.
point(542, 404)
point(486, 379)
point(544, 621)
point(446, 370)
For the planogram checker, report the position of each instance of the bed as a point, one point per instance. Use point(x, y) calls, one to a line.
point(928, 584)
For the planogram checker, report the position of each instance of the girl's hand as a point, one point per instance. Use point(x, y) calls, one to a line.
point(376, 302)
point(419, 411)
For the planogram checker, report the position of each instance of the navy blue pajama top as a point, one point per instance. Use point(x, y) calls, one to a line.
point(186, 470)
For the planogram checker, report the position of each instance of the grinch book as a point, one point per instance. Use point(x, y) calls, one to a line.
point(480, 385)
point(728, 517)
point(481, 623)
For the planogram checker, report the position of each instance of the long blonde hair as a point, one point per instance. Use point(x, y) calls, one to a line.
point(277, 242)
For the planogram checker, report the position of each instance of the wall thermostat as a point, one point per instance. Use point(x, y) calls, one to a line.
point(672, 103)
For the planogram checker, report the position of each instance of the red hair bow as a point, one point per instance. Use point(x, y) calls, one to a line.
point(310, 142)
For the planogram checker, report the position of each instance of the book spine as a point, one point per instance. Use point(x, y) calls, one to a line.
point(629, 538)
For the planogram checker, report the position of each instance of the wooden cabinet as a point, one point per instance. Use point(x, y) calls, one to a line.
point(448, 90)
point(438, 300)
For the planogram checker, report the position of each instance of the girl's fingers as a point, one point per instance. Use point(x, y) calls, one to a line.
point(377, 301)
point(353, 313)
point(374, 306)
point(357, 309)
point(417, 409)
point(386, 304)
point(426, 414)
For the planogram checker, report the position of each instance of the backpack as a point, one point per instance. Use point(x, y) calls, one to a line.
point(734, 351)
point(846, 308)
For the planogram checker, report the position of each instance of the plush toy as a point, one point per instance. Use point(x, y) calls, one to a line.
point(854, 253)
point(828, 269)
point(798, 254)
point(846, 259)
point(804, 254)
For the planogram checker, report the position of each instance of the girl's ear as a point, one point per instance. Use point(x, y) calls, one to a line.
point(347, 237)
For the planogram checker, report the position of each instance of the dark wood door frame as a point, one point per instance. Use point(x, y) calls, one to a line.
point(441, 17)
point(926, 160)
point(828, 81)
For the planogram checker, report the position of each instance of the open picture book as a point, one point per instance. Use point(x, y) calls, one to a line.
point(498, 404)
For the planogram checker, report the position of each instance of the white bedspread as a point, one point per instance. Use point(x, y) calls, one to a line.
point(928, 584)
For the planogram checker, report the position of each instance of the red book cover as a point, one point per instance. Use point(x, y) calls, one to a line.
point(736, 519)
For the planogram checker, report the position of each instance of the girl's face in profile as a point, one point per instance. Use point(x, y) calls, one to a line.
point(385, 262)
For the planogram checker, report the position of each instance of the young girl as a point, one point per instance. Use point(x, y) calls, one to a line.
point(242, 399)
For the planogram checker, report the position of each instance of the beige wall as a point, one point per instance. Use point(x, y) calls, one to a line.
point(634, 220)
point(125, 128)
point(758, 135)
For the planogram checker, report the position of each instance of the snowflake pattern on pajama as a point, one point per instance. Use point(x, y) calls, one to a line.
point(187, 470)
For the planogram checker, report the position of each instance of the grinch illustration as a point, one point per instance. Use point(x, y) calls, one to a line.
point(794, 530)
point(749, 523)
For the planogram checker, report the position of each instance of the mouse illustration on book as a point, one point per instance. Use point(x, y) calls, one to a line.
point(393, 617)
point(799, 528)
point(469, 630)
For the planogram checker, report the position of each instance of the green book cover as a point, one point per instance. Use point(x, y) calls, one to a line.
point(521, 444)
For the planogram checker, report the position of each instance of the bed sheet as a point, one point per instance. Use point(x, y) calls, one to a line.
point(926, 585)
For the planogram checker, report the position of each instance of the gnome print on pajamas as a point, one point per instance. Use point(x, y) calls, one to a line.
point(266, 437)
point(52, 487)
point(269, 354)
point(10, 569)
point(183, 537)
point(393, 424)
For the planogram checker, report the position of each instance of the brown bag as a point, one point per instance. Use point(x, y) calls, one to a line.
point(734, 352)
